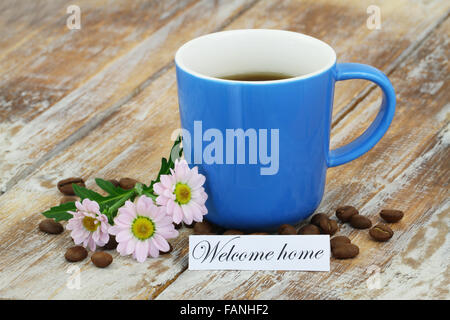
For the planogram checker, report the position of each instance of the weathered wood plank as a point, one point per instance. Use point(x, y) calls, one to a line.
point(409, 170)
point(133, 153)
point(73, 102)
point(55, 60)
point(123, 154)
point(21, 20)
point(129, 142)
point(33, 135)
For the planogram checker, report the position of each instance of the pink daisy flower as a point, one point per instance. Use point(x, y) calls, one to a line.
point(141, 229)
point(89, 226)
point(182, 193)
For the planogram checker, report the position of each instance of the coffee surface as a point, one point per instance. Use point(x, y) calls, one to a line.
point(257, 76)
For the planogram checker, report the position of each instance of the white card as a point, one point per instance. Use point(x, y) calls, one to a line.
point(260, 252)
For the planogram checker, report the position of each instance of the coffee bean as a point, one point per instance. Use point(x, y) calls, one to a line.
point(203, 228)
point(101, 259)
point(232, 232)
point(328, 226)
point(309, 229)
point(391, 215)
point(166, 252)
point(112, 243)
point(190, 225)
point(66, 199)
point(258, 234)
point(334, 227)
point(286, 229)
point(381, 232)
point(114, 182)
point(75, 254)
point(339, 240)
point(345, 251)
point(65, 186)
point(317, 217)
point(358, 221)
point(51, 226)
point(177, 225)
point(127, 183)
point(345, 213)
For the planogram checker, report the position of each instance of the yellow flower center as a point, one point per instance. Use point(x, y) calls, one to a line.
point(143, 228)
point(90, 224)
point(182, 193)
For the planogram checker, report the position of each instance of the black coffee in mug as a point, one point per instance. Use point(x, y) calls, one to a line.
point(257, 76)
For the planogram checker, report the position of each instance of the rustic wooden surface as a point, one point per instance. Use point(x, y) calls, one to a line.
point(101, 102)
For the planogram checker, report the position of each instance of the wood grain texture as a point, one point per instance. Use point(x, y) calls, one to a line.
point(55, 123)
point(64, 102)
point(122, 157)
point(408, 170)
point(55, 60)
point(129, 139)
point(22, 20)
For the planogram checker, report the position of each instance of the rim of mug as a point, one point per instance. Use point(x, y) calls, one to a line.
point(188, 70)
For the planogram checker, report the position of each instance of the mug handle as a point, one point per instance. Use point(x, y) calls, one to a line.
point(373, 134)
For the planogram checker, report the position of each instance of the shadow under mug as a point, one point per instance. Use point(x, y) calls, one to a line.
point(264, 145)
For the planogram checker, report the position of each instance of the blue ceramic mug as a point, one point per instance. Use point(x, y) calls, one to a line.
point(264, 145)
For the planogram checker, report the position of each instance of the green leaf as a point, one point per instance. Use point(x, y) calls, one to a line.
point(60, 212)
point(108, 204)
point(116, 196)
point(139, 187)
point(104, 202)
point(111, 200)
point(166, 165)
point(109, 187)
point(85, 193)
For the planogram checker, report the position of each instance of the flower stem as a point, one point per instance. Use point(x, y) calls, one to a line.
point(149, 194)
point(120, 202)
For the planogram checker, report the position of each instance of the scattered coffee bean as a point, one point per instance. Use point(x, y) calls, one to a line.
point(177, 225)
point(112, 243)
point(345, 251)
point(101, 259)
point(287, 229)
point(345, 213)
point(232, 232)
point(166, 252)
point(258, 233)
point(190, 225)
point(203, 228)
point(328, 226)
point(75, 254)
point(317, 217)
point(114, 182)
point(66, 199)
point(51, 226)
point(391, 215)
point(381, 232)
point(65, 186)
point(339, 240)
point(309, 229)
point(360, 222)
point(127, 183)
point(334, 227)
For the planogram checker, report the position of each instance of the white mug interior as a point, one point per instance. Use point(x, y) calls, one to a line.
point(226, 53)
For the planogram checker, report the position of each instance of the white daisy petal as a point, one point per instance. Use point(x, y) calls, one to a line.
point(187, 214)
